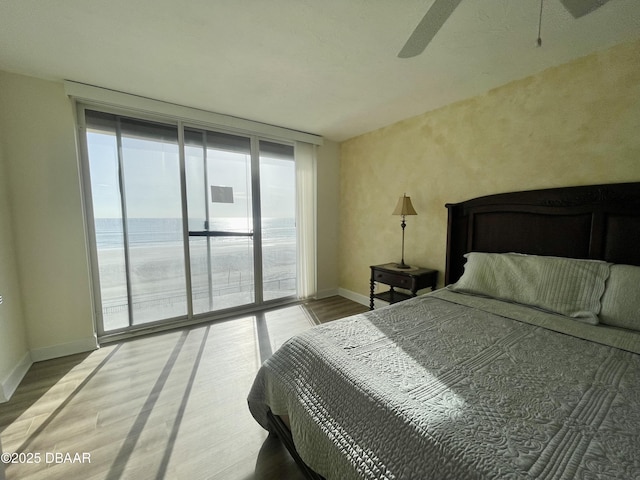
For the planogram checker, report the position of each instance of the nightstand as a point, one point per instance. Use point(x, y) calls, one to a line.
point(412, 279)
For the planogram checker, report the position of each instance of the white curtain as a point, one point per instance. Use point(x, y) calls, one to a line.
point(305, 158)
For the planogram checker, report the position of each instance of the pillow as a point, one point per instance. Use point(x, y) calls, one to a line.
point(567, 286)
point(621, 299)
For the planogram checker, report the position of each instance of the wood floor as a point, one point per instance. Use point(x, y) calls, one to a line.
point(171, 405)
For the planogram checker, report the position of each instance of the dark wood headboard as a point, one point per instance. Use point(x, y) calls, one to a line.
point(596, 221)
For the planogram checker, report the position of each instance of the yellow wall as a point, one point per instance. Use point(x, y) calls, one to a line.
point(578, 123)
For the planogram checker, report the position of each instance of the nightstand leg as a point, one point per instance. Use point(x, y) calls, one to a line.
point(373, 286)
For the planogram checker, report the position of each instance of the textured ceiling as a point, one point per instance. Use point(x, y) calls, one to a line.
point(326, 67)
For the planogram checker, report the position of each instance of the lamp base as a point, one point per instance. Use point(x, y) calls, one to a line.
point(402, 266)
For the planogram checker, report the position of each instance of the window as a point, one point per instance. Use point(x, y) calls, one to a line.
point(187, 221)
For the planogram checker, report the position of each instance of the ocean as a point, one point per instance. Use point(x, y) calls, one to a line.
point(109, 231)
point(222, 274)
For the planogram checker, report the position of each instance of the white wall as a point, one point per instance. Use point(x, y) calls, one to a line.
point(14, 352)
point(37, 128)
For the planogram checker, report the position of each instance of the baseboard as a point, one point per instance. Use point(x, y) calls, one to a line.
point(8, 385)
point(64, 349)
point(327, 293)
point(361, 299)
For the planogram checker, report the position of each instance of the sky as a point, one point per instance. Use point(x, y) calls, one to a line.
point(152, 180)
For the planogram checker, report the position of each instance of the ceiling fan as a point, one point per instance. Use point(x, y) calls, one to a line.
point(441, 10)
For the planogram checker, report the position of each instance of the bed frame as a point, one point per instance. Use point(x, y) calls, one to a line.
point(595, 221)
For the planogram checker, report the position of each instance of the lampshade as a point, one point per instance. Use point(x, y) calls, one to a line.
point(404, 206)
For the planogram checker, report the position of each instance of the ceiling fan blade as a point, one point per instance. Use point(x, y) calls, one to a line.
point(428, 27)
point(579, 8)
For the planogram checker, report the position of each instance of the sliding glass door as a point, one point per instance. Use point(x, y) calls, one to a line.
point(221, 224)
point(186, 221)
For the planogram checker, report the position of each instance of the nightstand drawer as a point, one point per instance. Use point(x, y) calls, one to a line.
point(412, 279)
point(393, 280)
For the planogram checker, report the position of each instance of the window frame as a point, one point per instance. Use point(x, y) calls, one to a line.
point(81, 105)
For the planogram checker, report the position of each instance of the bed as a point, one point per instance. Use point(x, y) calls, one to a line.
point(526, 366)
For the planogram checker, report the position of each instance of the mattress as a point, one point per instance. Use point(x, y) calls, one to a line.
point(448, 386)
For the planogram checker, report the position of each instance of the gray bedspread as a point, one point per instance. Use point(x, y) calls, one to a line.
point(433, 389)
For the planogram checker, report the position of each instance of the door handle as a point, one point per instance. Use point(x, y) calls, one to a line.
point(218, 233)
